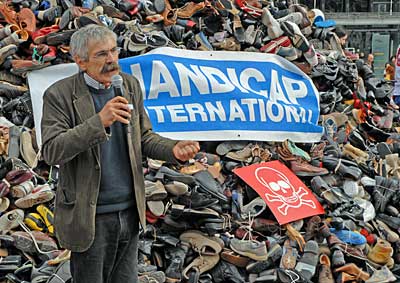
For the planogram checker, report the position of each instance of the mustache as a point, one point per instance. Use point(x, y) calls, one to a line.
point(113, 66)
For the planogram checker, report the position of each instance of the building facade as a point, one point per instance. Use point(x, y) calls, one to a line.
point(373, 25)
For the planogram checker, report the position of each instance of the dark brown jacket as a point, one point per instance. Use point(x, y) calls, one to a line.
point(71, 136)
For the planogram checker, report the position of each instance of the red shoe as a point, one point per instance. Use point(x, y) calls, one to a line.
point(51, 54)
point(39, 36)
point(150, 217)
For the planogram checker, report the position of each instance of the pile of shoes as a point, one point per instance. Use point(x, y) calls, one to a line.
point(204, 223)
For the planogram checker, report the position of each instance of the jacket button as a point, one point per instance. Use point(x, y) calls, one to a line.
point(92, 202)
point(97, 167)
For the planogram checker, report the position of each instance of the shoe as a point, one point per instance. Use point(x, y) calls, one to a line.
point(24, 241)
point(226, 272)
point(349, 237)
point(15, 38)
point(150, 277)
point(49, 15)
point(252, 249)
point(196, 200)
point(48, 217)
point(154, 190)
point(11, 220)
point(200, 265)
point(208, 184)
point(21, 190)
point(234, 258)
point(325, 273)
point(176, 188)
point(224, 147)
point(40, 194)
point(353, 269)
point(383, 275)
point(35, 222)
point(381, 253)
point(201, 243)
point(273, 28)
point(307, 264)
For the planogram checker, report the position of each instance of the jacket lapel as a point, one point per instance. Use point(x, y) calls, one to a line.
point(83, 104)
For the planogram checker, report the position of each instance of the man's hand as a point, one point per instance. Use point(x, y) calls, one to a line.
point(185, 150)
point(116, 109)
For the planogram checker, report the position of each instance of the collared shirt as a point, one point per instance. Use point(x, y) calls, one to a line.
point(93, 83)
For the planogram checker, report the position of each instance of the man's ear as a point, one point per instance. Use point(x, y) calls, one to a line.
point(81, 63)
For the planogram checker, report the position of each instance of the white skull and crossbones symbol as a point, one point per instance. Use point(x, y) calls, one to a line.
point(281, 190)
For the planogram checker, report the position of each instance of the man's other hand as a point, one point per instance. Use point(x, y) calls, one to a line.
point(185, 150)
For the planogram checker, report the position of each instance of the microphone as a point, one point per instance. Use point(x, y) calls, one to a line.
point(117, 82)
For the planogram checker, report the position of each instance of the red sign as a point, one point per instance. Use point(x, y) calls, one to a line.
point(284, 193)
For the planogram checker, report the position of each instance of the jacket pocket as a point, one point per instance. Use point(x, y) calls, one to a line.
point(66, 198)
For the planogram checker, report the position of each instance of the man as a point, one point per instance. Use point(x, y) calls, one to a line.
point(98, 141)
point(342, 35)
point(370, 61)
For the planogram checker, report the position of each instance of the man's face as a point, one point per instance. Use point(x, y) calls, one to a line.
point(370, 58)
point(102, 62)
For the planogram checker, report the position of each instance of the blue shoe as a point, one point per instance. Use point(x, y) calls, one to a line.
point(325, 24)
point(349, 237)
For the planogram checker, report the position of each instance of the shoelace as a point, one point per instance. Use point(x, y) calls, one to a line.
point(26, 229)
point(289, 273)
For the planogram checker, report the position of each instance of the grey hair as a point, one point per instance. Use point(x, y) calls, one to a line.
point(81, 38)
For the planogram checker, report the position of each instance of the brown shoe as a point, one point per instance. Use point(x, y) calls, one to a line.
point(345, 277)
point(289, 257)
point(312, 227)
point(244, 154)
point(23, 66)
point(27, 20)
point(201, 265)
point(192, 169)
point(201, 243)
point(234, 258)
point(325, 272)
point(352, 269)
point(382, 253)
point(302, 168)
point(190, 8)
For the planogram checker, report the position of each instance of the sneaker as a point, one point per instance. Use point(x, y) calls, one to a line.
point(21, 190)
point(11, 220)
point(35, 222)
point(40, 194)
point(48, 217)
point(250, 248)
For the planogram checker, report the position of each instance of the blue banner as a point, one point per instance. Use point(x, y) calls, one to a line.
point(221, 95)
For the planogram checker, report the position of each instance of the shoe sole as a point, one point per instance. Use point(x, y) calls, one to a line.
point(250, 255)
point(35, 199)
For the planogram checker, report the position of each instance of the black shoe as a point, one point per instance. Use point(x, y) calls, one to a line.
point(196, 200)
point(226, 272)
point(392, 222)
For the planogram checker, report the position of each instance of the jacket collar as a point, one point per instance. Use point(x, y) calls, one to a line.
point(82, 99)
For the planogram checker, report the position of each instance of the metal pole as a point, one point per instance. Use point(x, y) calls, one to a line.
point(315, 4)
point(391, 7)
